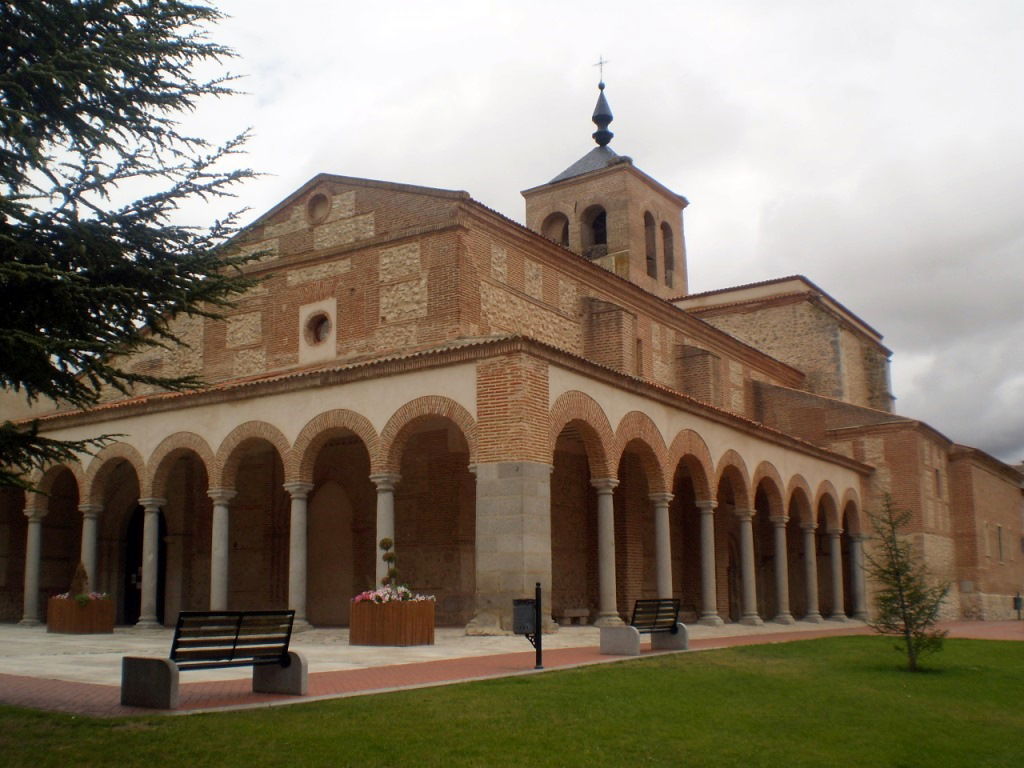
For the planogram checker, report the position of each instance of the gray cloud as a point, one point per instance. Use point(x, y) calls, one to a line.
point(874, 147)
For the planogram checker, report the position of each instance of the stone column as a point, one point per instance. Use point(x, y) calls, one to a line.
point(781, 570)
point(220, 546)
point(33, 556)
point(150, 562)
point(749, 591)
point(608, 613)
point(385, 518)
point(708, 592)
point(663, 544)
point(835, 549)
point(90, 523)
point(298, 545)
point(860, 611)
point(811, 573)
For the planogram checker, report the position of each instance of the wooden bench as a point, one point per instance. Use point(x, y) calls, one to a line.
point(216, 640)
point(657, 618)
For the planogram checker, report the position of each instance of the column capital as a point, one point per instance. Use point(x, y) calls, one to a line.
point(385, 481)
point(835, 532)
point(779, 521)
point(706, 507)
point(805, 526)
point(604, 484)
point(90, 510)
point(298, 490)
point(221, 495)
point(35, 514)
point(152, 503)
point(744, 514)
point(661, 498)
point(859, 537)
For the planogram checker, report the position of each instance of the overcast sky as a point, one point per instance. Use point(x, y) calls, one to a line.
point(875, 147)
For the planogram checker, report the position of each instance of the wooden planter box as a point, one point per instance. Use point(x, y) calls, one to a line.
point(95, 617)
point(396, 623)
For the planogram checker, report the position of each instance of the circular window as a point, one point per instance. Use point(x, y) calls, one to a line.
point(317, 207)
point(318, 328)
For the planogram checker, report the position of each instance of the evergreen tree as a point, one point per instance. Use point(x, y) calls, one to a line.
point(906, 605)
point(90, 96)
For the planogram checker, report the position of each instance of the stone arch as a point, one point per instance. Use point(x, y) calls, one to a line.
point(827, 497)
point(594, 231)
point(637, 426)
point(688, 447)
point(556, 228)
point(42, 481)
point(799, 490)
point(851, 512)
point(162, 460)
point(668, 252)
point(732, 466)
point(395, 433)
point(101, 465)
point(650, 245)
point(767, 474)
point(225, 465)
point(595, 430)
point(317, 432)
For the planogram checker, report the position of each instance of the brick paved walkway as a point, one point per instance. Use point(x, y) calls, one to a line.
point(104, 700)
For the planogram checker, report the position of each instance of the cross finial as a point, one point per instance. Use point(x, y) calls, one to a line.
point(601, 61)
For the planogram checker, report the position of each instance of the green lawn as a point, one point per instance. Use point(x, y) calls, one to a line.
point(838, 701)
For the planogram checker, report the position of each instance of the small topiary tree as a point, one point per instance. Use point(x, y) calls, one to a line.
point(389, 558)
point(906, 605)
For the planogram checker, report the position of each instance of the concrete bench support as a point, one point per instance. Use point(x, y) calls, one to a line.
point(625, 641)
point(153, 682)
point(292, 679)
point(147, 682)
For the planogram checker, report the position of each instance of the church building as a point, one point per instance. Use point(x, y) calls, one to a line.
point(510, 404)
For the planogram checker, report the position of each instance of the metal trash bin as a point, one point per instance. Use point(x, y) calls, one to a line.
point(524, 616)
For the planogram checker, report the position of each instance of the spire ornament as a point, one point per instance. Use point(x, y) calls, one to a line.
point(602, 117)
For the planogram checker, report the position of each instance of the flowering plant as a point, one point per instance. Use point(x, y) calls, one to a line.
point(83, 599)
point(390, 594)
point(79, 591)
point(389, 591)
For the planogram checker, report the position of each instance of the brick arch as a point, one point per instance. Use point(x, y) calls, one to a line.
point(160, 462)
point(598, 439)
point(225, 465)
point(42, 481)
point(732, 464)
point(797, 483)
point(315, 435)
point(638, 427)
point(767, 474)
point(393, 437)
point(827, 494)
point(851, 511)
point(101, 466)
point(689, 447)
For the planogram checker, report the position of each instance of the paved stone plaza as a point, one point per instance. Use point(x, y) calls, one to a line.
point(81, 673)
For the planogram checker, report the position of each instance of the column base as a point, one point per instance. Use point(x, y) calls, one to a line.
point(752, 621)
point(861, 616)
point(485, 624)
point(838, 617)
point(784, 618)
point(29, 623)
point(609, 620)
point(301, 625)
point(813, 618)
point(711, 620)
point(148, 624)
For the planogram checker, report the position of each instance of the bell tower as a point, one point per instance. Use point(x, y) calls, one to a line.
point(609, 211)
